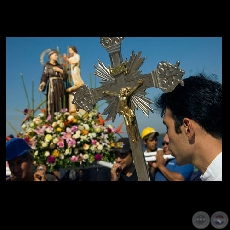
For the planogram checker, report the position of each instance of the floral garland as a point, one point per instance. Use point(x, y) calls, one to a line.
point(70, 140)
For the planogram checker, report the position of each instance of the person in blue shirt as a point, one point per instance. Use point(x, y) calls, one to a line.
point(165, 169)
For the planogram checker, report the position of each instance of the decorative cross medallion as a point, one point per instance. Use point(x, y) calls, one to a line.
point(123, 87)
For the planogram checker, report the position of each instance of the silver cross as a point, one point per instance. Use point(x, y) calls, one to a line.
point(123, 87)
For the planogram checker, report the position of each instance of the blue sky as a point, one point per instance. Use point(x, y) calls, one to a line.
point(196, 54)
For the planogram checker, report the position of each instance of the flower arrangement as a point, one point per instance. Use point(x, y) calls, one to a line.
point(69, 139)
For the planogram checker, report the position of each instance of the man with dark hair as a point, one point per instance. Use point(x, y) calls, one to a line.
point(124, 168)
point(192, 114)
point(20, 160)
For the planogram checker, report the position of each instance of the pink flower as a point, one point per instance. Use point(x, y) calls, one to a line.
point(74, 159)
point(97, 157)
point(71, 142)
point(60, 144)
point(74, 128)
point(64, 110)
point(94, 142)
point(67, 135)
point(39, 130)
point(48, 118)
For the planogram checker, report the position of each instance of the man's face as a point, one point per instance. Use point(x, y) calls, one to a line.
point(178, 142)
point(165, 144)
point(124, 159)
point(20, 167)
point(151, 144)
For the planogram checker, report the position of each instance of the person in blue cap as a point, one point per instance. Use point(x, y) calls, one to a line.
point(20, 160)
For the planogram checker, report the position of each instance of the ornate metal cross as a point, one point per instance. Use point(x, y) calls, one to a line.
point(123, 87)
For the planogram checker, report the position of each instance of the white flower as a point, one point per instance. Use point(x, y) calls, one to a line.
point(41, 115)
point(55, 140)
point(31, 124)
point(61, 124)
point(86, 156)
point(44, 144)
point(30, 130)
point(83, 138)
point(67, 151)
point(23, 126)
point(49, 130)
point(36, 153)
point(70, 117)
point(47, 153)
point(80, 127)
point(86, 126)
point(93, 148)
point(99, 147)
point(54, 124)
point(61, 156)
point(94, 135)
point(97, 129)
point(37, 121)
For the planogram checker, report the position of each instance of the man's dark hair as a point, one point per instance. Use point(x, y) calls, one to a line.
point(27, 155)
point(123, 155)
point(200, 99)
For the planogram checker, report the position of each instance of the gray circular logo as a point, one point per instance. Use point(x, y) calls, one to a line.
point(219, 220)
point(201, 220)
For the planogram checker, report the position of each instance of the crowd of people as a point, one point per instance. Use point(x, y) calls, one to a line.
point(163, 168)
point(191, 148)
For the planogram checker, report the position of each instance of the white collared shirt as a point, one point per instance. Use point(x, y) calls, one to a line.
point(214, 170)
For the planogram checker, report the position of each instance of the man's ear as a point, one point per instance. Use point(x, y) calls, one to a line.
point(188, 125)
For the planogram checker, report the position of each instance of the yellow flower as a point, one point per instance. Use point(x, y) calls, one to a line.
point(59, 129)
point(112, 144)
point(84, 132)
point(48, 137)
point(55, 153)
point(74, 120)
point(85, 146)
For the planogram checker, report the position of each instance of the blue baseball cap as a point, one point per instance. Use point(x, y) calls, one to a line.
point(15, 147)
